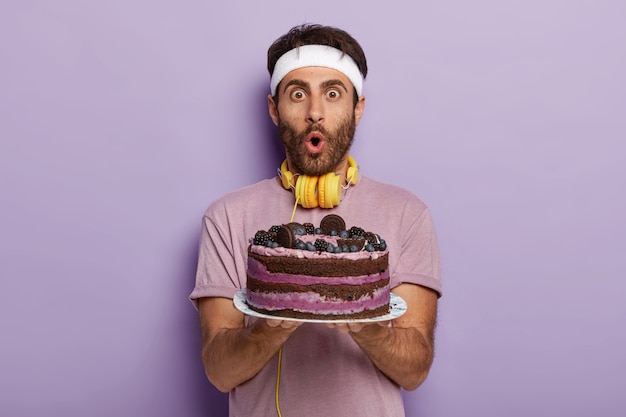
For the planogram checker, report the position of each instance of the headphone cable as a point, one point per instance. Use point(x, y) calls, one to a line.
point(280, 355)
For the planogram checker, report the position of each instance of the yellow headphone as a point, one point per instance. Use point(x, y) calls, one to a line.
point(323, 191)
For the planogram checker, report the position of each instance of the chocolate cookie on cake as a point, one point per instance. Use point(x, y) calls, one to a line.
point(326, 272)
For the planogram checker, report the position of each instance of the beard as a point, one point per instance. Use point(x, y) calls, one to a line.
point(336, 148)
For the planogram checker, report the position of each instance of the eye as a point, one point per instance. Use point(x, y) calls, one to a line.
point(297, 95)
point(333, 94)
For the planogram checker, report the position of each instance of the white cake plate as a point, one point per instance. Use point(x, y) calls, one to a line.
point(397, 304)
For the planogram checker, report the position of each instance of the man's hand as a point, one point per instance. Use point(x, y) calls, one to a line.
point(355, 327)
point(285, 324)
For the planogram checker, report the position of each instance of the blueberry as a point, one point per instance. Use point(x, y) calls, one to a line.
point(354, 248)
point(311, 247)
point(318, 231)
point(344, 234)
point(369, 247)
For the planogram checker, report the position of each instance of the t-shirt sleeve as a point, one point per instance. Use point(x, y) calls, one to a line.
point(419, 257)
point(218, 271)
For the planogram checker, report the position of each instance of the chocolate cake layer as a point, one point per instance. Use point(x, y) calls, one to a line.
point(327, 267)
point(334, 292)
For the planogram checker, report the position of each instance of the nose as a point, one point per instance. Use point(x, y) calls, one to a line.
point(316, 111)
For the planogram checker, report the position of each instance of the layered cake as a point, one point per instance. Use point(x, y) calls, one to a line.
point(326, 272)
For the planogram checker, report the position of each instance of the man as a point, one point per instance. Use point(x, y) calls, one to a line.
point(310, 369)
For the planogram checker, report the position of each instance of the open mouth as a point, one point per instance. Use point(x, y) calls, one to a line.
point(315, 142)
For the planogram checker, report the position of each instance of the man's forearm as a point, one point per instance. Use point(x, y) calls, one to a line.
point(231, 352)
point(403, 354)
point(233, 356)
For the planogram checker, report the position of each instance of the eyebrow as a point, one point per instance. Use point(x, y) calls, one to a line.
point(331, 83)
point(297, 82)
point(325, 84)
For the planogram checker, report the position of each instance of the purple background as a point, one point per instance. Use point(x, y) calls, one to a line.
point(120, 121)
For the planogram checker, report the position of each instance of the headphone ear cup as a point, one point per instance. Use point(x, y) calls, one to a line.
point(329, 190)
point(286, 176)
point(322, 191)
point(353, 171)
point(306, 191)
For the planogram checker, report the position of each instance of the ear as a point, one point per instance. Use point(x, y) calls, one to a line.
point(358, 109)
point(273, 109)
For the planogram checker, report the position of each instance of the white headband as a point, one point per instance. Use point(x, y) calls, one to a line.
point(317, 56)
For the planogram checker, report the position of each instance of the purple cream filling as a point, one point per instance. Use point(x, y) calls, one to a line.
point(257, 270)
point(314, 303)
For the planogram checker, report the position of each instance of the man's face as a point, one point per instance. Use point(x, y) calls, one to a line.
point(317, 118)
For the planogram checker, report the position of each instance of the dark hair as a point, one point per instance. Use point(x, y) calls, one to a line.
point(313, 34)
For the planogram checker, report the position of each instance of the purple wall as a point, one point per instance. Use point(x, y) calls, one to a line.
point(121, 121)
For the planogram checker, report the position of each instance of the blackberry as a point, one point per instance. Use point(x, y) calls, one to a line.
point(262, 237)
point(274, 229)
point(356, 231)
point(321, 245)
point(310, 229)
